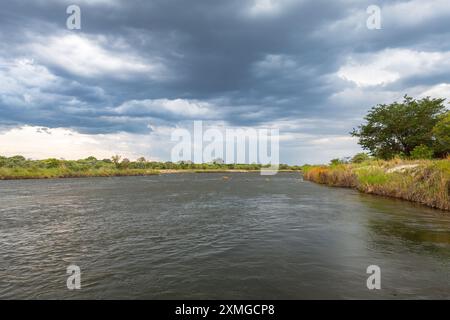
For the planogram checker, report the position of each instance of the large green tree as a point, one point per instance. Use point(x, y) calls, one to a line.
point(397, 128)
point(441, 134)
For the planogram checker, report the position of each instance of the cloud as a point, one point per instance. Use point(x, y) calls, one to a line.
point(390, 65)
point(310, 68)
point(439, 91)
point(41, 143)
point(86, 57)
point(415, 12)
point(179, 109)
point(259, 8)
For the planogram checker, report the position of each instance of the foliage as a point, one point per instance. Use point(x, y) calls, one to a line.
point(397, 128)
point(19, 167)
point(422, 152)
point(337, 161)
point(360, 157)
point(441, 134)
point(423, 181)
point(116, 160)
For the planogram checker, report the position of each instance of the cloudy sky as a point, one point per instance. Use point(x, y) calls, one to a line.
point(137, 70)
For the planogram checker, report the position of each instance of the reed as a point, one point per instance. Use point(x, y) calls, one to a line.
point(47, 173)
point(423, 181)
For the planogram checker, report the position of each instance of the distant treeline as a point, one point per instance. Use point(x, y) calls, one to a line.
point(17, 167)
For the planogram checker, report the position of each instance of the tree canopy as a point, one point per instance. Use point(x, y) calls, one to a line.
point(398, 128)
point(441, 134)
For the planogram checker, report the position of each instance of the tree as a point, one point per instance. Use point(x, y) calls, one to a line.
point(441, 134)
point(397, 128)
point(422, 152)
point(125, 163)
point(360, 157)
point(335, 162)
point(51, 163)
point(116, 160)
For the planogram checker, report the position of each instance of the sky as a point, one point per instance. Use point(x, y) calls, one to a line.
point(138, 70)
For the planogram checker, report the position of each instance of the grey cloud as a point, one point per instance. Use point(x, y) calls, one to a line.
point(251, 69)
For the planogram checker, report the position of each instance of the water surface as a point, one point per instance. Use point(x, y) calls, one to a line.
point(198, 236)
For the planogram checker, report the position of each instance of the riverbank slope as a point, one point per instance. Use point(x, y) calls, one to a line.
point(56, 173)
point(425, 181)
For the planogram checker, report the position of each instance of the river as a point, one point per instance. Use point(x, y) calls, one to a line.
point(198, 236)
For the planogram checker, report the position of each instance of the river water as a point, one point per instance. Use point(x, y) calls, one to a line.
point(198, 236)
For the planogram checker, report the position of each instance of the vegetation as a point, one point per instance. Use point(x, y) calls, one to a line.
point(441, 133)
point(423, 181)
point(360, 157)
point(422, 152)
point(17, 167)
point(397, 129)
point(405, 141)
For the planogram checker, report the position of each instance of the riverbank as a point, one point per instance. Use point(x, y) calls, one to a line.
point(18, 167)
point(219, 171)
point(57, 173)
point(425, 181)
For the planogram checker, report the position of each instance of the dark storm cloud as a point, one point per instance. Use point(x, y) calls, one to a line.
point(252, 64)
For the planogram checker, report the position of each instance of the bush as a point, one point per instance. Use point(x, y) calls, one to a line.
point(51, 163)
point(360, 157)
point(422, 152)
point(441, 134)
point(335, 162)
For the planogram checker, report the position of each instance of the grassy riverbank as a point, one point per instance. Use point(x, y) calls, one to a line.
point(41, 173)
point(423, 181)
point(18, 167)
point(48, 173)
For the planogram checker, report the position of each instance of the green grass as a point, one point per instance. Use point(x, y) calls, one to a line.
point(428, 182)
point(372, 176)
point(17, 167)
point(47, 173)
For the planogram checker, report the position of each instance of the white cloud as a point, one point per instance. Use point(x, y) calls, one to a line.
point(396, 16)
point(89, 57)
point(25, 84)
point(28, 85)
point(178, 108)
point(39, 143)
point(320, 149)
point(390, 65)
point(19, 74)
point(268, 7)
point(439, 91)
point(415, 12)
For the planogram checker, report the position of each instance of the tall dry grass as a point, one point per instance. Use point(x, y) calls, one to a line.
point(425, 181)
point(48, 173)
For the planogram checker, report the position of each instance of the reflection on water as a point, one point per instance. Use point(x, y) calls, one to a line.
point(417, 226)
point(201, 236)
point(413, 233)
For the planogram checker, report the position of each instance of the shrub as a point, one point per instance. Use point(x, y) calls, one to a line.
point(335, 162)
point(422, 152)
point(360, 157)
point(441, 134)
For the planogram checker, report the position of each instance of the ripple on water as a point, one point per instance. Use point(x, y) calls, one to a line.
point(200, 236)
